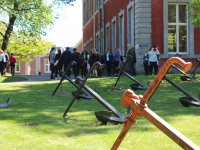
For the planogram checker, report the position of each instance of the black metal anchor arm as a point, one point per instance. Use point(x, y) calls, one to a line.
point(121, 72)
point(96, 64)
point(128, 75)
point(181, 71)
point(181, 89)
point(64, 76)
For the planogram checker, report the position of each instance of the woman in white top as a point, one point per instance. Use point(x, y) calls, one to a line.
point(2, 59)
point(153, 60)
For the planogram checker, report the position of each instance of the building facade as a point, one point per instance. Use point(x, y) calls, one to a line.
point(108, 24)
point(38, 66)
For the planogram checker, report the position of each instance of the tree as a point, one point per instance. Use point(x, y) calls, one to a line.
point(195, 12)
point(28, 16)
point(26, 48)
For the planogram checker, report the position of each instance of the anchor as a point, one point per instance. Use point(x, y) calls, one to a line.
point(140, 108)
point(112, 115)
point(6, 104)
point(82, 94)
point(134, 86)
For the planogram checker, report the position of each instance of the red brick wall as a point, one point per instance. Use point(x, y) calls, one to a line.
point(42, 65)
point(88, 32)
point(112, 8)
point(197, 40)
point(157, 24)
point(22, 68)
point(96, 24)
point(33, 67)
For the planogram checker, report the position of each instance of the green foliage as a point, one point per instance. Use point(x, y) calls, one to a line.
point(195, 12)
point(27, 47)
point(23, 22)
point(32, 16)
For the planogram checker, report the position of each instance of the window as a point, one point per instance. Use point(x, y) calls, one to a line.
point(114, 35)
point(91, 4)
point(177, 28)
point(108, 37)
point(46, 66)
point(97, 42)
point(129, 26)
point(17, 67)
point(121, 33)
point(98, 4)
point(102, 41)
point(85, 17)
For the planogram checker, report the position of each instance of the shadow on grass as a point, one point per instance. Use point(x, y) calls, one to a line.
point(12, 79)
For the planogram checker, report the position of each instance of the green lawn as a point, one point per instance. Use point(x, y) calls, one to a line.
point(34, 121)
point(9, 78)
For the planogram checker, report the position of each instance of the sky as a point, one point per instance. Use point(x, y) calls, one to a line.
point(67, 30)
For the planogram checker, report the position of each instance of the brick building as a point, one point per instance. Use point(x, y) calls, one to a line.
point(142, 23)
point(39, 65)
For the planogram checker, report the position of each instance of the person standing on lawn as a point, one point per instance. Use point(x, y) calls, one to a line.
point(109, 62)
point(52, 56)
point(57, 66)
point(153, 60)
point(2, 59)
point(116, 62)
point(131, 59)
point(6, 61)
point(12, 60)
point(66, 59)
point(77, 59)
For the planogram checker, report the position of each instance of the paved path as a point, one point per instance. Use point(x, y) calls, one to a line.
point(37, 77)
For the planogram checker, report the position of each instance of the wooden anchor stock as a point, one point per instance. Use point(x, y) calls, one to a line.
point(140, 108)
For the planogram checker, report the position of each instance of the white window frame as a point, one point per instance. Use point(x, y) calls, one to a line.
point(17, 64)
point(177, 24)
point(121, 34)
point(130, 31)
point(102, 41)
point(114, 34)
point(46, 64)
point(108, 36)
point(98, 41)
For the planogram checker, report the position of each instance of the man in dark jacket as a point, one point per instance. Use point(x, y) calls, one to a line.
point(77, 59)
point(66, 59)
point(131, 59)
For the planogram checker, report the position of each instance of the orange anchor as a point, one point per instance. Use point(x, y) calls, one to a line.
point(140, 108)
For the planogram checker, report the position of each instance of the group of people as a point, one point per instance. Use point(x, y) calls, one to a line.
point(61, 60)
point(84, 60)
point(5, 61)
point(151, 59)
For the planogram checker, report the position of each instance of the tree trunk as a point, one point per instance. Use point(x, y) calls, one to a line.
point(9, 29)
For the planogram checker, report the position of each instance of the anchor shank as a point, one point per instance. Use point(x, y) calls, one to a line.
point(130, 120)
point(170, 131)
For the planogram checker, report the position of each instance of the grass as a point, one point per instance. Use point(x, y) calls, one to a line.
point(34, 120)
point(9, 78)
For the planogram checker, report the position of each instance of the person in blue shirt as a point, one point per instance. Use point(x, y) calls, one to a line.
point(109, 61)
point(116, 62)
